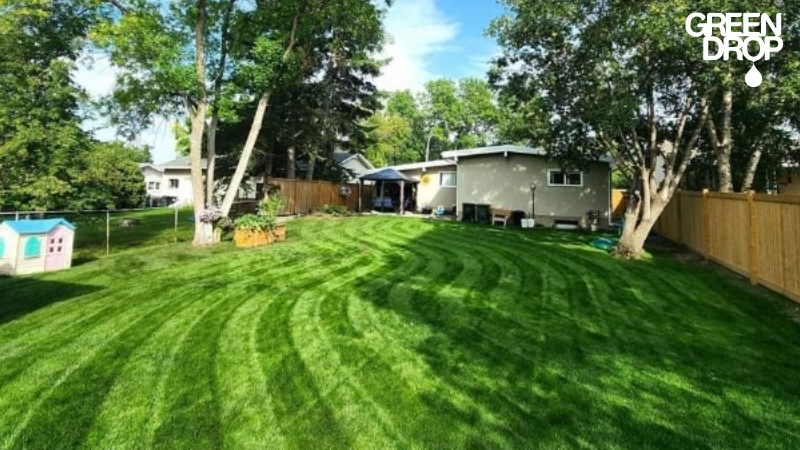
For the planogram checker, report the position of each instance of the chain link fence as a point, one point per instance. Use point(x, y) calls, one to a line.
point(102, 232)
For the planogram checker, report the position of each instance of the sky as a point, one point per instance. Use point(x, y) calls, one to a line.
point(429, 39)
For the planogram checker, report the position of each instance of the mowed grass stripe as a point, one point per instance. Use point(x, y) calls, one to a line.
point(404, 334)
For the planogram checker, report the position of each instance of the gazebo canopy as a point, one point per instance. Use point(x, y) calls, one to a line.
point(388, 174)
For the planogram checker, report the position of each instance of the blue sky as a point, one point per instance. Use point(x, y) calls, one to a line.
point(430, 39)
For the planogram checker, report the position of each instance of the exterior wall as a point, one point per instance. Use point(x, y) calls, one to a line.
point(183, 193)
point(152, 176)
point(8, 261)
point(431, 194)
point(793, 187)
point(26, 266)
point(506, 183)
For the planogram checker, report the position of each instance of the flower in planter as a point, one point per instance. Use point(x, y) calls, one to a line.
point(210, 215)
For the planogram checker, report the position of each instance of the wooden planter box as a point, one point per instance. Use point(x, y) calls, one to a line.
point(279, 233)
point(252, 238)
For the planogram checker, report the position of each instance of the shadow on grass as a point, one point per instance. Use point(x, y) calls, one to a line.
point(21, 296)
point(554, 343)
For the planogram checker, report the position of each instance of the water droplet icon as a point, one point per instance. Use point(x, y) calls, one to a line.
point(753, 77)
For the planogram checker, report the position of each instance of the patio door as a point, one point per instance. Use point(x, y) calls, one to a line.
point(55, 250)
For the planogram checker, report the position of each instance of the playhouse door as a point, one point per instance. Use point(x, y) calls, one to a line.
point(56, 249)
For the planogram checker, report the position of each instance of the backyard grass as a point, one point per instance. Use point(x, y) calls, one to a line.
point(380, 333)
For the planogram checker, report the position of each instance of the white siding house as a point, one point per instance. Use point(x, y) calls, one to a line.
point(169, 183)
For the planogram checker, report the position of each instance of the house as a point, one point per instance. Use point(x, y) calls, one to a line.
point(354, 163)
point(169, 183)
point(525, 179)
point(437, 183)
point(513, 178)
point(33, 246)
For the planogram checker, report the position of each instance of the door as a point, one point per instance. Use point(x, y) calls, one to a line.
point(56, 249)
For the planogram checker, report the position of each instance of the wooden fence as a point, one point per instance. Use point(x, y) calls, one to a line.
point(304, 196)
point(618, 203)
point(755, 235)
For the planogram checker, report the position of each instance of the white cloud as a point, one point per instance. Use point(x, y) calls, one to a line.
point(418, 32)
point(98, 77)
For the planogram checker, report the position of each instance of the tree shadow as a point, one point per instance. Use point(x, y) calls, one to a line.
point(548, 342)
point(22, 296)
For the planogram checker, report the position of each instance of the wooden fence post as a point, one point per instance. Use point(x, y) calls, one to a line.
point(753, 239)
point(706, 225)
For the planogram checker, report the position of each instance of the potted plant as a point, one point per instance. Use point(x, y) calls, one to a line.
point(252, 230)
point(528, 221)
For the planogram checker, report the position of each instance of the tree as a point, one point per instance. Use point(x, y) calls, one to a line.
point(622, 79)
point(107, 177)
point(40, 134)
point(194, 57)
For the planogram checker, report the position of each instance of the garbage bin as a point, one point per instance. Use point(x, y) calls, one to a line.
point(483, 213)
point(468, 212)
point(516, 218)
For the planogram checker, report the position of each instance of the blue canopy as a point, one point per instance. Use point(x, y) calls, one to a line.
point(37, 226)
point(388, 174)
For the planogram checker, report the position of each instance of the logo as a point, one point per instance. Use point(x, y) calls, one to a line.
point(750, 36)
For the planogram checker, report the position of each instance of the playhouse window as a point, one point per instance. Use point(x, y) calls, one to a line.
point(33, 247)
point(2, 247)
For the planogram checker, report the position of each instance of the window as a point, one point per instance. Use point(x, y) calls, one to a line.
point(447, 179)
point(2, 247)
point(153, 186)
point(173, 183)
point(556, 177)
point(33, 247)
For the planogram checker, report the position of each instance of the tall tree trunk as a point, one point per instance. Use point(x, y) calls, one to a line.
point(211, 150)
point(291, 162)
point(255, 127)
point(752, 166)
point(722, 142)
point(203, 232)
point(247, 152)
point(312, 162)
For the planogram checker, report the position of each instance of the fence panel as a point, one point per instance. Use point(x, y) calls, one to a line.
point(618, 203)
point(755, 235)
point(729, 231)
point(304, 196)
point(691, 210)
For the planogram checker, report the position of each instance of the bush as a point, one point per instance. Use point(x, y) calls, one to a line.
point(332, 209)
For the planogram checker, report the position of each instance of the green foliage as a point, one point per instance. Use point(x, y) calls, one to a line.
point(253, 222)
point(333, 209)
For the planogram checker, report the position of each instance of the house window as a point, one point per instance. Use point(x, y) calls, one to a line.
point(447, 179)
point(33, 247)
point(556, 177)
point(173, 183)
point(153, 186)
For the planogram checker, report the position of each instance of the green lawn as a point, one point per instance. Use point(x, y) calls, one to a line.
point(374, 333)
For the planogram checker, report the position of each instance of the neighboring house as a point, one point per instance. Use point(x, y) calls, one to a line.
point(437, 182)
point(510, 177)
point(169, 183)
point(33, 246)
point(356, 164)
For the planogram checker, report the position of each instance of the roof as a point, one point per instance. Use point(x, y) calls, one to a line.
point(342, 157)
point(387, 174)
point(179, 163)
point(425, 164)
point(37, 226)
point(504, 149)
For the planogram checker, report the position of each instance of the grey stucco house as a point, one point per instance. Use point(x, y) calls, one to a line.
point(504, 177)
